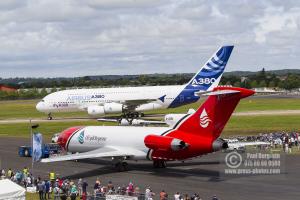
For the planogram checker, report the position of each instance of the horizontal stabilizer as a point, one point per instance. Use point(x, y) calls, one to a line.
point(104, 152)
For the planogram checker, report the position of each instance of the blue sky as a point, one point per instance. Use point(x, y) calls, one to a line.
point(54, 38)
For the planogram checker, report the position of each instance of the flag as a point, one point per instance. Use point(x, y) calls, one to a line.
point(37, 141)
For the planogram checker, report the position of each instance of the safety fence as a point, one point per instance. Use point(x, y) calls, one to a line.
point(36, 196)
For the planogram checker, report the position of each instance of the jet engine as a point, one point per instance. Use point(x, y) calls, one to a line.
point(106, 109)
point(166, 143)
point(219, 144)
point(172, 119)
point(96, 110)
point(148, 106)
point(113, 108)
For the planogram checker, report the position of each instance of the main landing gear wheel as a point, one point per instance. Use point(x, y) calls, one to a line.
point(132, 115)
point(159, 164)
point(49, 116)
point(121, 166)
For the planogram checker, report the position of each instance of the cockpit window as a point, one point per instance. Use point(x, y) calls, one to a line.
point(42, 100)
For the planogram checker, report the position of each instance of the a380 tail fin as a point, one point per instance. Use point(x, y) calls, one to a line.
point(210, 74)
point(212, 116)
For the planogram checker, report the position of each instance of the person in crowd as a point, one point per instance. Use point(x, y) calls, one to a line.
point(52, 178)
point(195, 196)
point(186, 197)
point(149, 194)
point(79, 187)
point(110, 187)
point(3, 174)
point(73, 192)
point(130, 189)
point(98, 193)
point(163, 195)
point(177, 196)
point(84, 189)
point(25, 171)
point(40, 189)
point(28, 181)
point(47, 191)
point(97, 186)
point(56, 191)
point(137, 191)
point(9, 173)
point(63, 193)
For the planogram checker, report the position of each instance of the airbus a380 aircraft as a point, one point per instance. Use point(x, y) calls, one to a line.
point(193, 135)
point(132, 100)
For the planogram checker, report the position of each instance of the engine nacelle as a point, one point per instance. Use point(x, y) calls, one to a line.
point(219, 144)
point(172, 119)
point(113, 108)
point(148, 106)
point(165, 143)
point(124, 122)
point(96, 110)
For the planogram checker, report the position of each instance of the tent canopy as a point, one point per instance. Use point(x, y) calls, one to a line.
point(11, 190)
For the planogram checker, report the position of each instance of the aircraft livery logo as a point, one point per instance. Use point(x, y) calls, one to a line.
point(81, 137)
point(204, 119)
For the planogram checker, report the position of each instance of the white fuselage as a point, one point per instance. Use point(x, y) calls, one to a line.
point(81, 99)
point(95, 137)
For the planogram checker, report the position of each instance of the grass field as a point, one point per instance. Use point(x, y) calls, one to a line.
point(237, 125)
point(47, 128)
point(26, 108)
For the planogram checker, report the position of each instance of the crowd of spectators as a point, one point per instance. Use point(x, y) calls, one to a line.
point(61, 189)
point(285, 140)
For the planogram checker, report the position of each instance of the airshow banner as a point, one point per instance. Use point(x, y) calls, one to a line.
point(37, 141)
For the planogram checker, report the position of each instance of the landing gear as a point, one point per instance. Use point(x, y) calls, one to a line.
point(133, 115)
point(159, 164)
point(49, 116)
point(128, 118)
point(121, 166)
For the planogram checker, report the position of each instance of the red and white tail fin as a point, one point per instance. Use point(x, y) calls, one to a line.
point(212, 116)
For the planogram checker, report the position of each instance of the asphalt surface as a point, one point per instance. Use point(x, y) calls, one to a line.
point(200, 175)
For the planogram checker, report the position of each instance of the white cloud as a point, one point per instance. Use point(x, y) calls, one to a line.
point(276, 19)
point(73, 37)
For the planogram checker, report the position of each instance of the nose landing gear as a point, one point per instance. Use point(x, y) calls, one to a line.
point(49, 116)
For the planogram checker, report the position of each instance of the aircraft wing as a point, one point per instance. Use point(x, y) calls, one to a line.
point(243, 144)
point(98, 153)
point(134, 122)
point(253, 143)
point(130, 104)
point(133, 103)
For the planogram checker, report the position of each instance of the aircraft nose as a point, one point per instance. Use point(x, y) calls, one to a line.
point(40, 106)
point(65, 135)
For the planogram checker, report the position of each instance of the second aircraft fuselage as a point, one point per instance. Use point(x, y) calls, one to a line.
point(155, 97)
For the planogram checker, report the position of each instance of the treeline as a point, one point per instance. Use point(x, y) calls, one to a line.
point(263, 79)
point(25, 94)
point(102, 81)
point(28, 87)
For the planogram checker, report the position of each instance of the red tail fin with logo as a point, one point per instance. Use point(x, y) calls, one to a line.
point(212, 116)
